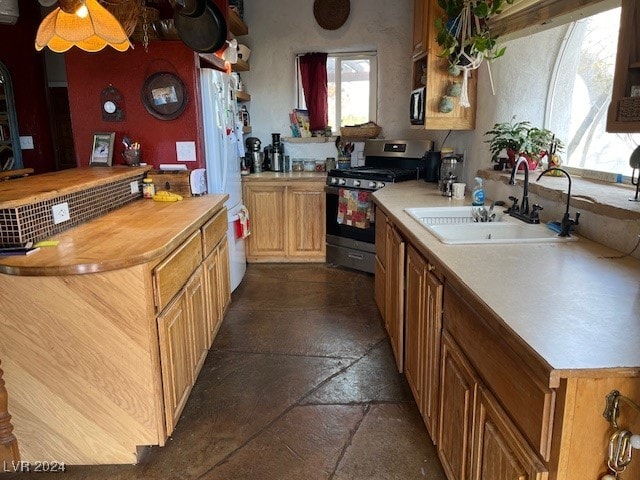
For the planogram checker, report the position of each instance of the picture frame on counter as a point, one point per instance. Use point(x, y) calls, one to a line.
point(102, 149)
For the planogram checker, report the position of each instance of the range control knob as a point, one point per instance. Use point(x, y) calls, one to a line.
point(356, 183)
point(341, 181)
point(334, 180)
point(380, 184)
point(372, 184)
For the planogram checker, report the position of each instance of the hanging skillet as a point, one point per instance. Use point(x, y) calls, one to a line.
point(189, 8)
point(205, 33)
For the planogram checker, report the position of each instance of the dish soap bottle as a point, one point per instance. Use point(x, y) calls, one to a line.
point(478, 193)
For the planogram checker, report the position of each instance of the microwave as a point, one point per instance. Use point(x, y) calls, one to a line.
point(417, 106)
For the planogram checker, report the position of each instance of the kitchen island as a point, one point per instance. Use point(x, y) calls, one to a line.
point(509, 349)
point(104, 333)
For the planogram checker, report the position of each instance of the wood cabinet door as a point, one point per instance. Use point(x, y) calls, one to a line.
point(380, 280)
point(175, 338)
point(415, 311)
point(499, 451)
point(457, 399)
point(627, 72)
point(268, 234)
point(395, 294)
point(211, 274)
point(420, 27)
point(197, 309)
point(306, 228)
point(224, 279)
point(431, 361)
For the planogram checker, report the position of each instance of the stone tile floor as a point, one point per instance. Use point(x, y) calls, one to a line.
point(300, 384)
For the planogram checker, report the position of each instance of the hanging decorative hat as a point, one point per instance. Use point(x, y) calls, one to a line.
point(331, 14)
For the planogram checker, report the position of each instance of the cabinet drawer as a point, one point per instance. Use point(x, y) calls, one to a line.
point(213, 231)
point(525, 397)
point(174, 271)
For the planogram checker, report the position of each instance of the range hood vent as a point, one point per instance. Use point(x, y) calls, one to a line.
point(9, 12)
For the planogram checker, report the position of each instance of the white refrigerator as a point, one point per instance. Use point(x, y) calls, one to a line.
point(223, 147)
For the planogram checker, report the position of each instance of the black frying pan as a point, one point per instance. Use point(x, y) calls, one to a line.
point(189, 8)
point(205, 33)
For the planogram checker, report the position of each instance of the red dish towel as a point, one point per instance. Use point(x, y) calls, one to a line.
point(355, 208)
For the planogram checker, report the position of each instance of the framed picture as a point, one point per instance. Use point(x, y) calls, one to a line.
point(102, 149)
point(164, 95)
point(635, 90)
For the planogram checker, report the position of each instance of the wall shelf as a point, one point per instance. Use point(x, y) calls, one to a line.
point(240, 66)
point(242, 96)
point(236, 24)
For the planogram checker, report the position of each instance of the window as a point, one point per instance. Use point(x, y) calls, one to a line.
point(352, 85)
point(580, 94)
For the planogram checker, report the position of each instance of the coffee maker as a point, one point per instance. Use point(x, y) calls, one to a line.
point(254, 157)
point(274, 154)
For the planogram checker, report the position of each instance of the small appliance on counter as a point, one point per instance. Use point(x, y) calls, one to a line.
point(274, 154)
point(450, 173)
point(255, 157)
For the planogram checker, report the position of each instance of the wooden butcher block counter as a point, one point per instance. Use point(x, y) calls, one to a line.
point(104, 334)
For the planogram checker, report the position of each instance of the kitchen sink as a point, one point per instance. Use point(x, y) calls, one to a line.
point(456, 225)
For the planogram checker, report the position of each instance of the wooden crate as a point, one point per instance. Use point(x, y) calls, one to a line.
point(171, 181)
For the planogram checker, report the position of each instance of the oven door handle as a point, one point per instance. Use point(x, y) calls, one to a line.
point(336, 190)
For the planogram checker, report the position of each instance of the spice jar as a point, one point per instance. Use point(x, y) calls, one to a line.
point(297, 166)
point(148, 188)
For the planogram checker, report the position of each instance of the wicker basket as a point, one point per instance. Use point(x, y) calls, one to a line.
point(367, 130)
point(125, 11)
point(629, 109)
point(151, 14)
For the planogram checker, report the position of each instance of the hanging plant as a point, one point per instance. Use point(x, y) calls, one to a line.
point(464, 36)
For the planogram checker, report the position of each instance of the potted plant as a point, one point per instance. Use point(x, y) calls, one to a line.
point(521, 139)
point(463, 32)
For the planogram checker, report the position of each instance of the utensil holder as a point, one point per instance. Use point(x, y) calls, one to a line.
point(344, 162)
point(131, 157)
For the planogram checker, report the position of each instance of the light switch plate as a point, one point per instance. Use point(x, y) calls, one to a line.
point(186, 151)
point(26, 142)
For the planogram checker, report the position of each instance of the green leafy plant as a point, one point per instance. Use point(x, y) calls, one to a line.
point(463, 32)
point(520, 138)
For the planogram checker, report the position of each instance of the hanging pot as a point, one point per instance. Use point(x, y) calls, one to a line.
point(205, 33)
point(189, 8)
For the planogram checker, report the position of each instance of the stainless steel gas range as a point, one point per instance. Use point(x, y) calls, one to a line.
point(349, 212)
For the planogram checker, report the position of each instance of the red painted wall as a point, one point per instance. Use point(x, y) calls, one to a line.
point(18, 54)
point(89, 73)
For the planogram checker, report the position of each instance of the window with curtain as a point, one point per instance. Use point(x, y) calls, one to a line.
point(351, 88)
point(580, 93)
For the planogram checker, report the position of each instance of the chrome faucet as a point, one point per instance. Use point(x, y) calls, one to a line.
point(521, 211)
point(567, 222)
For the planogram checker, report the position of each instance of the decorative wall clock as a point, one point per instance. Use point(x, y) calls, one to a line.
point(112, 104)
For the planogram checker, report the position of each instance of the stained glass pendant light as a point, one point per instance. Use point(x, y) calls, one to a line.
point(81, 23)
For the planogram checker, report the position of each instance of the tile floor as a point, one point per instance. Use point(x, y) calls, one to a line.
point(300, 384)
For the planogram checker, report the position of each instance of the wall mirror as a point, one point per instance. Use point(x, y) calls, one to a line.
point(10, 153)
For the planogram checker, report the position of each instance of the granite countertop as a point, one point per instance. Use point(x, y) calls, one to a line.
point(576, 304)
point(287, 176)
point(140, 232)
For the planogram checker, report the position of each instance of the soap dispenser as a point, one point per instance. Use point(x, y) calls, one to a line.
point(478, 193)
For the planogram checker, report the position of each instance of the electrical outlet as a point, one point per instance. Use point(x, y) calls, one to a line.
point(60, 213)
point(26, 142)
point(135, 188)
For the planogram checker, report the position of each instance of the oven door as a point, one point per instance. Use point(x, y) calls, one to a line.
point(346, 245)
